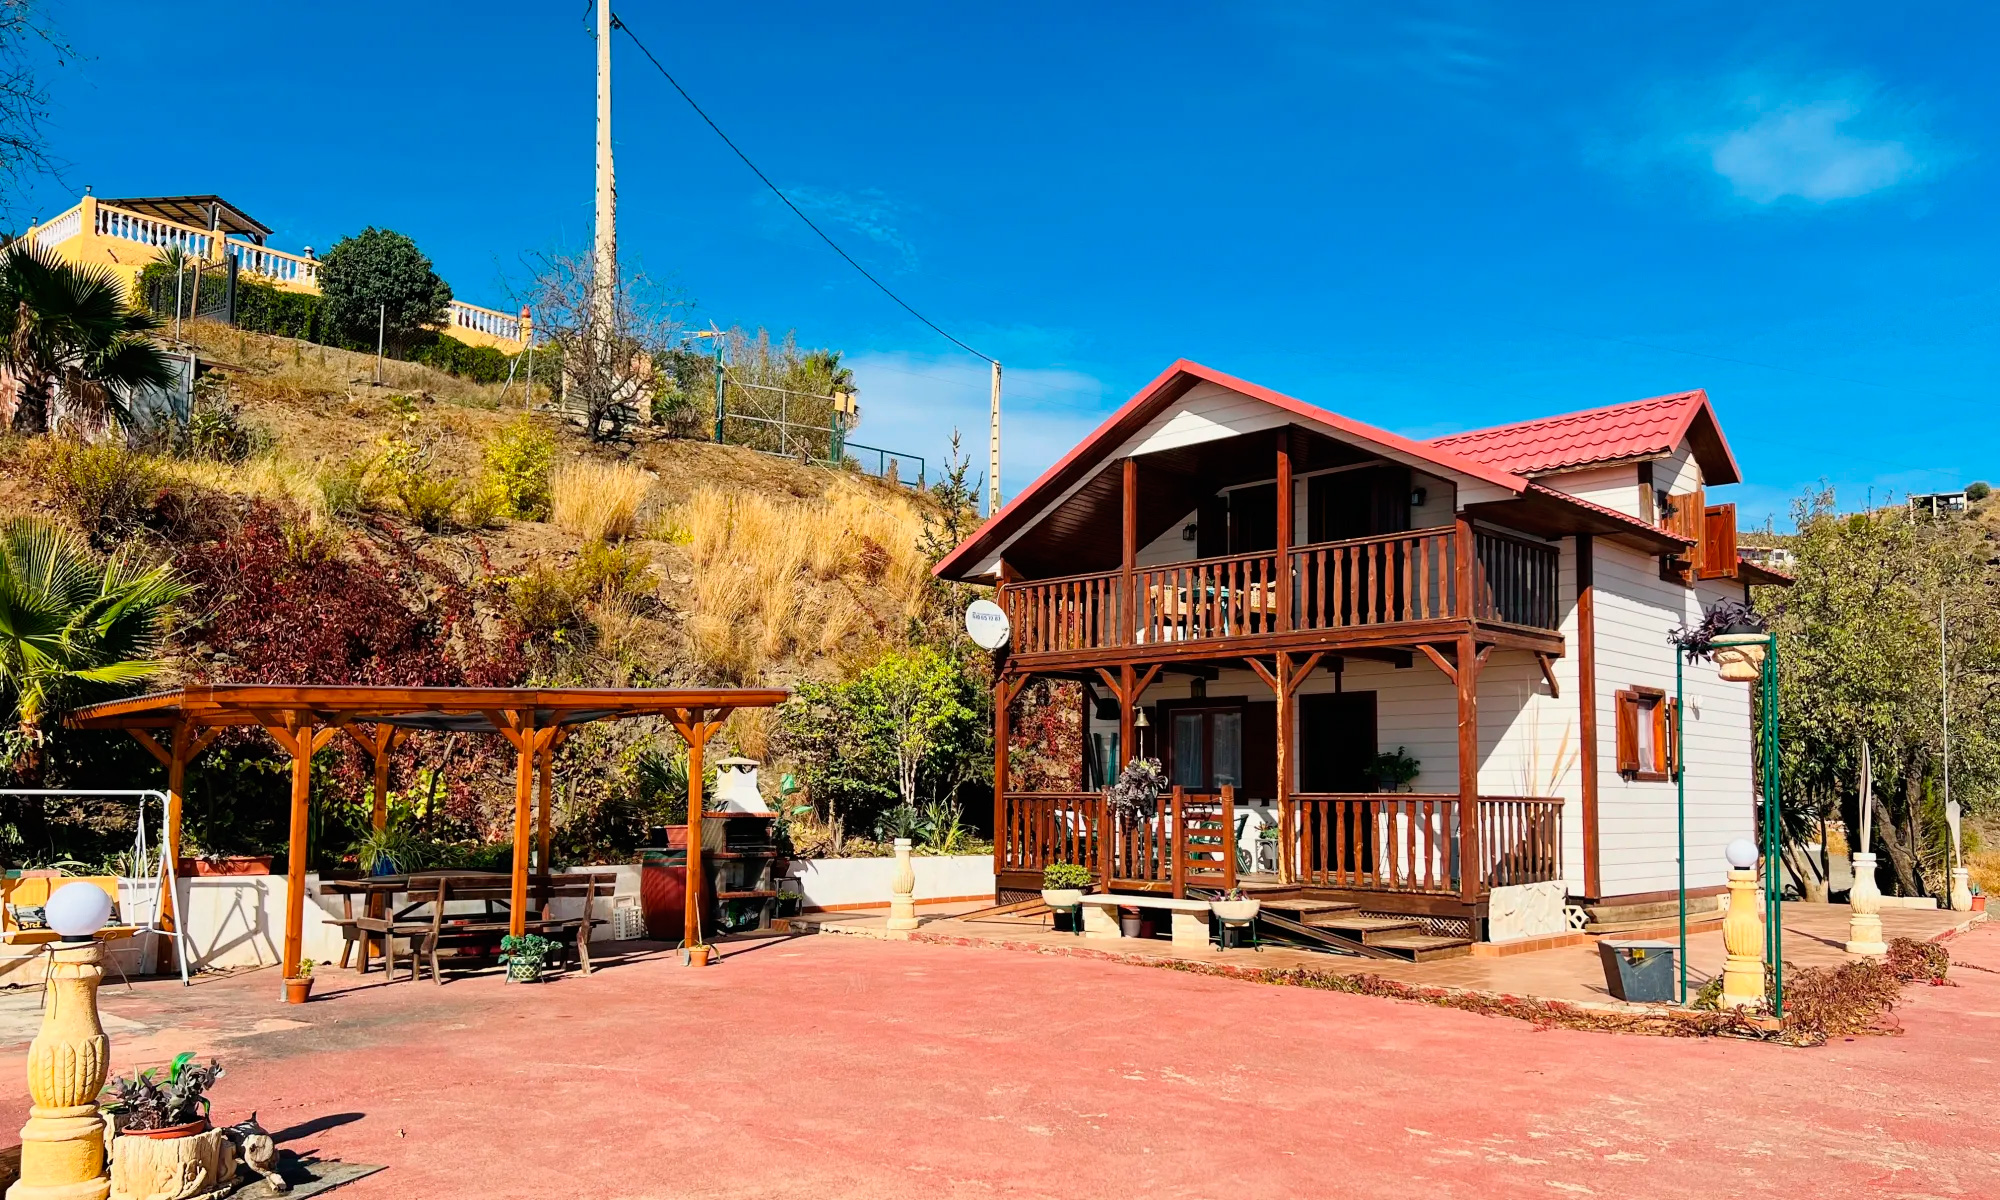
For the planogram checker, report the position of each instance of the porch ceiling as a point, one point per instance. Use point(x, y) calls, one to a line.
point(1082, 534)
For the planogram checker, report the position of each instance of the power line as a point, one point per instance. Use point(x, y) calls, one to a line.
point(779, 193)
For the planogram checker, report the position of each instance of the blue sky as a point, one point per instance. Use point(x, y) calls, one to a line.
point(1431, 216)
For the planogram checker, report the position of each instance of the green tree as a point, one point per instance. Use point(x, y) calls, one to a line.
point(75, 347)
point(380, 275)
point(73, 627)
point(1886, 609)
point(911, 729)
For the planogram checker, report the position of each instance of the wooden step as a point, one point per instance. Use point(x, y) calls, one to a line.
point(1311, 912)
point(1371, 930)
point(1425, 947)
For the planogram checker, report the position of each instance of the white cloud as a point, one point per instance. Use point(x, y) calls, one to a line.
point(1805, 152)
point(868, 212)
point(1772, 140)
point(911, 403)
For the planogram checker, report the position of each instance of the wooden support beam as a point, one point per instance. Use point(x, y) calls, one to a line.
point(1282, 688)
point(1128, 558)
point(1270, 677)
point(1304, 670)
point(1468, 769)
point(543, 832)
point(1586, 701)
point(695, 726)
point(294, 732)
point(1548, 665)
point(1284, 555)
point(522, 735)
point(1431, 652)
point(153, 746)
point(1480, 659)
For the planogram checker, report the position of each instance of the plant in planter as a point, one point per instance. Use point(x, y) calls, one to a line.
point(170, 1106)
point(1730, 632)
point(1136, 793)
point(1395, 770)
point(299, 986)
point(1062, 888)
point(1234, 907)
point(391, 850)
point(525, 955)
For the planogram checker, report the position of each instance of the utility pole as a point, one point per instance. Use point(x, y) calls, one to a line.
point(993, 450)
point(604, 264)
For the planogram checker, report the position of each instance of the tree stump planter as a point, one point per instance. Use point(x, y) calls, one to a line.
point(1739, 657)
point(153, 1165)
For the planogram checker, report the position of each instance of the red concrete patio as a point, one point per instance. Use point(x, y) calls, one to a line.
point(835, 1067)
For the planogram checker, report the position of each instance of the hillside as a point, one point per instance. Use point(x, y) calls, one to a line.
point(342, 530)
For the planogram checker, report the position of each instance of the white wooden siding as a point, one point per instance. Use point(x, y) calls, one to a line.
point(1636, 821)
point(1613, 487)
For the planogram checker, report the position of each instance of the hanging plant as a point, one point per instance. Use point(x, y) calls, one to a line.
point(1732, 634)
point(1137, 792)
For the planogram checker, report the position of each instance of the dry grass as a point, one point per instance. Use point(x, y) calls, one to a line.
point(1985, 868)
point(796, 568)
point(599, 502)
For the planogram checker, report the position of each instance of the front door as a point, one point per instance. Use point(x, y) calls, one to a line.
point(1337, 742)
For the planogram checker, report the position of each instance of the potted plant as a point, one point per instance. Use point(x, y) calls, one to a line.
point(1062, 890)
point(525, 955)
point(1395, 770)
point(1137, 923)
point(204, 866)
point(299, 986)
point(1234, 908)
point(789, 903)
point(390, 850)
point(1733, 634)
point(176, 1106)
point(1136, 793)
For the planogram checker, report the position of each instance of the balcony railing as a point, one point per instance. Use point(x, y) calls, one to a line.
point(1391, 579)
point(151, 231)
point(485, 320)
point(276, 265)
point(1399, 842)
point(61, 229)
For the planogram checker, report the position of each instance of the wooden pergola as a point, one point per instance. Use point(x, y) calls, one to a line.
point(177, 725)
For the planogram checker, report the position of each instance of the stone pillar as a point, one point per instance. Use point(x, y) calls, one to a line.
point(902, 890)
point(62, 1145)
point(1743, 939)
point(1961, 890)
point(1864, 927)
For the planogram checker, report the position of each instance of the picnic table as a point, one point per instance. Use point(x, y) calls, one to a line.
point(424, 919)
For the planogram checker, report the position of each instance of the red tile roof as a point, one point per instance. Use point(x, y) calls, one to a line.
point(1602, 435)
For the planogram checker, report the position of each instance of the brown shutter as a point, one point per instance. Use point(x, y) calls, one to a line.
point(1718, 542)
point(1628, 733)
point(1663, 737)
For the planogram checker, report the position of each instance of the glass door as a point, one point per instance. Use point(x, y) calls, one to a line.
point(1206, 748)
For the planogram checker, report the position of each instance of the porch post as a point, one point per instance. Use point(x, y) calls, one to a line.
point(1284, 563)
point(1469, 867)
point(1003, 697)
point(524, 781)
point(1283, 693)
point(1129, 556)
point(1128, 695)
point(1586, 702)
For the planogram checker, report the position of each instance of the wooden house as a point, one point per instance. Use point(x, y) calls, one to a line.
point(1291, 609)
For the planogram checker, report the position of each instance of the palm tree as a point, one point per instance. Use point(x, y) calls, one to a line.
point(74, 627)
point(67, 333)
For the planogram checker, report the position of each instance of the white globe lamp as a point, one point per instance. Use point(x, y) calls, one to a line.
point(78, 910)
point(1742, 854)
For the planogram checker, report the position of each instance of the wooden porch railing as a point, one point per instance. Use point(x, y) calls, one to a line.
point(1393, 578)
point(1190, 841)
point(1409, 841)
point(1520, 839)
point(1517, 580)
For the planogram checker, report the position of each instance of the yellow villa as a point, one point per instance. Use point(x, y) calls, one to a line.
point(127, 234)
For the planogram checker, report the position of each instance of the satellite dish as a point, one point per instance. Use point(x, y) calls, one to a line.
point(986, 623)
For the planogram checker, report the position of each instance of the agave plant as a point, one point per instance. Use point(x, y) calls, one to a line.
point(68, 334)
point(74, 626)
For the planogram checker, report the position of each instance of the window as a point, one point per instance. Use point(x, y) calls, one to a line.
point(1205, 750)
point(1646, 720)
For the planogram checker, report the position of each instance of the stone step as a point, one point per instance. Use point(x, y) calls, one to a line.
point(1424, 947)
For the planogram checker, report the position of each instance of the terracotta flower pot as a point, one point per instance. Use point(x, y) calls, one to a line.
point(298, 991)
point(1979, 904)
point(1136, 923)
point(228, 864)
point(697, 956)
point(199, 1125)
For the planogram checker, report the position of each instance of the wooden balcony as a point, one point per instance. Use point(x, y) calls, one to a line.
point(1357, 586)
point(1396, 843)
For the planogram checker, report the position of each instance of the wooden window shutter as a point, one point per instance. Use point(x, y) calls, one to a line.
point(1718, 542)
point(1665, 719)
point(1688, 519)
point(1628, 733)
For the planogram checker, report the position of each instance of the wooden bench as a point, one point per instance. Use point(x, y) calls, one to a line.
point(1189, 917)
point(33, 891)
point(441, 933)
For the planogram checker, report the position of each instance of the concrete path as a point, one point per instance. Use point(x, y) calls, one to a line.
point(847, 1067)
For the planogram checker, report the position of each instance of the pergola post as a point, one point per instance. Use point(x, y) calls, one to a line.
point(524, 780)
point(696, 726)
point(543, 835)
point(183, 743)
point(298, 737)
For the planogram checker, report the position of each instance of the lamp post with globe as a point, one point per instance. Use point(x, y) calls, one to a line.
point(62, 1145)
point(1742, 930)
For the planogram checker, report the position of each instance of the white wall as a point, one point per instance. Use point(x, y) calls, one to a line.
point(865, 882)
point(1613, 487)
point(1636, 821)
